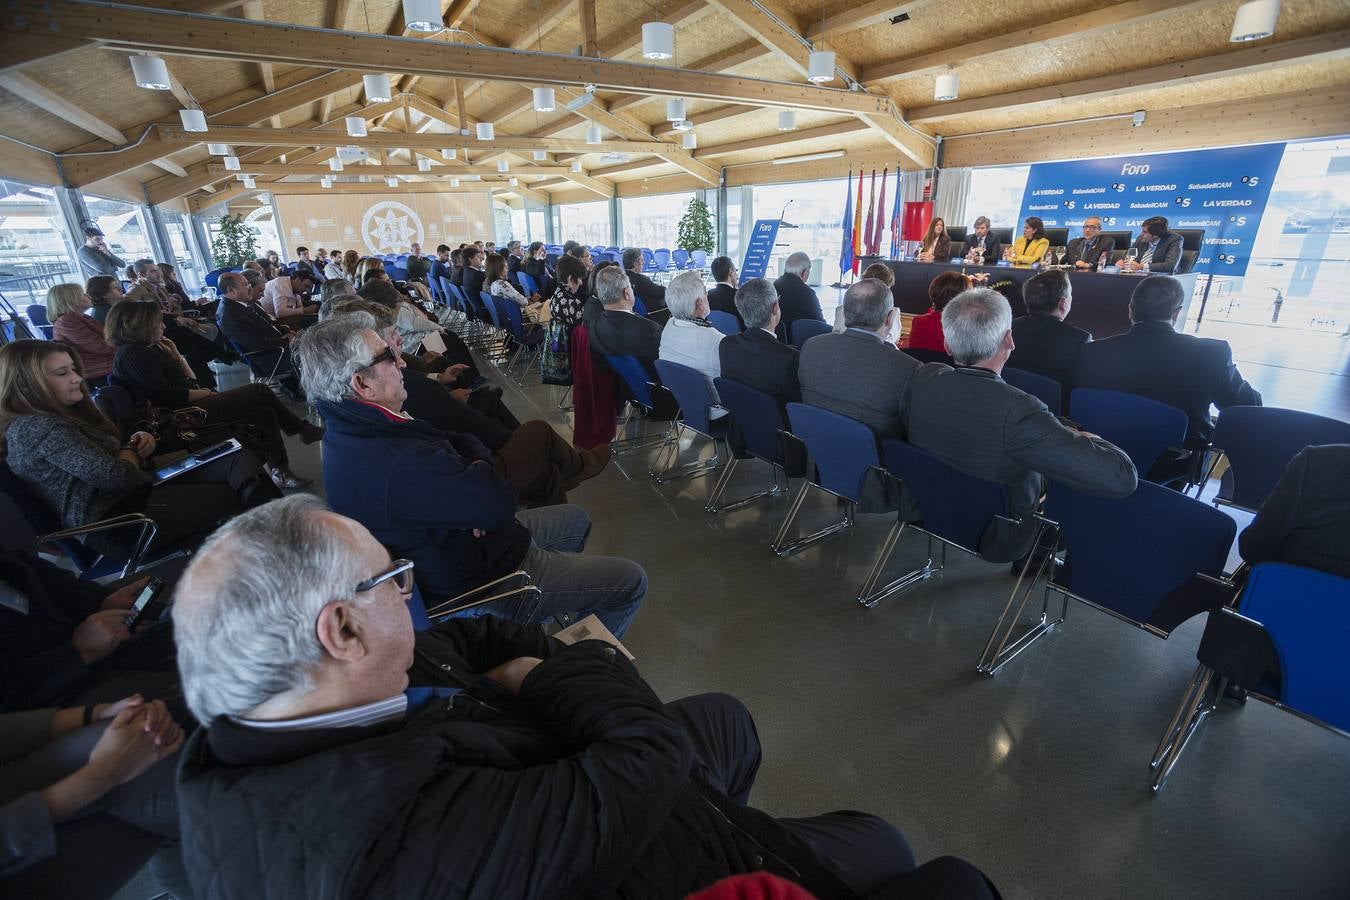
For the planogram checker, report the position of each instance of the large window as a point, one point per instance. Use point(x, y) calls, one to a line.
point(652, 221)
point(587, 223)
point(813, 215)
point(35, 251)
point(176, 226)
point(996, 192)
point(125, 225)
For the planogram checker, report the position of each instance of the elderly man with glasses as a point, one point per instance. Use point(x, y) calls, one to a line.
point(342, 754)
point(435, 497)
point(1092, 250)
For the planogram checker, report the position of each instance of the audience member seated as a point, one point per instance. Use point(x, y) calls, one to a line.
point(176, 289)
point(350, 260)
point(689, 338)
point(983, 246)
point(67, 305)
point(582, 253)
point(415, 325)
point(471, 278)
point(859, 372)
point(150, 367)
point(75, 461)
point(1032, 246)
point(334, 290)
point(332, 267)
point(1155, 360)
point(1158, 250)
point(796, 300)
point(616, 330)
point(568, 301)
point(594, 273)
point(273, 260)
point(936, 243)
point(555, 771)
point(1045, 343)
point(248, 327)
point(538, 462)
point(87, 795)
point(722, 297)
point(1093, 249)
point(515, 258)
point(286, 298)
point(1306, 519)
point(755, 357)
point(435, 497)
point(652, 295)
point(498, 285)
point(195, 338)
point(925, 331)
point(104, 291)
point(974, 421)
point(417, 265)
point(535, 265)
point(881, 272)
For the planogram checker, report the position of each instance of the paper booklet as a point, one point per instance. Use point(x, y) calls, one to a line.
point(590, 628)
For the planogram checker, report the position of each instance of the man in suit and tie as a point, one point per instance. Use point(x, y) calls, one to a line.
point(652, 295)
point(515, 256)
point(974, 421)
point(249, 328)
point(615, 330)
point(795, 297)
point(1159, 250)
point(722, 296)
point(1046, 344)
point(472, 277)
point(1086, 252)
point(984, 243)
point(757, 359)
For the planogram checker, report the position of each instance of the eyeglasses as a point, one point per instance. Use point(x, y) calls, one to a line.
point(1092, 227)
point(386, 356)
point(400, 571)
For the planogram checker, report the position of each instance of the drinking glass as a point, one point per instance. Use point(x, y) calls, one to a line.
point(1132, 254)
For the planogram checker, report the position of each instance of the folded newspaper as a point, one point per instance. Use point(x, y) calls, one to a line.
point(591, 629)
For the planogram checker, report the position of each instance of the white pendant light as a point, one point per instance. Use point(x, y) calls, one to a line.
point(454, 182)
point(947, 86)
point(503, 166)
point(193, 119)
point(658, 40)
point(335, 164)
point(674, 109)
point(593, 134)
point(150, 73)
point(423, 164)
point(486, 132)
point(1255, 20)
point(545, 100)
point(448, 154)
point(240, 177)
point(218, 149)
point(356, 126)
point(515, 182)
point(786, 120)
point(378, 89)
point(576, 165)
point(422, 15)
point(391, 181)
point(249, 182)
point(689, 141)
point(326, 182)
point(231, 163)
point(820, 66)
point(540, 155)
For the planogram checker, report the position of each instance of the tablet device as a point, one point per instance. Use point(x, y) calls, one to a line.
point(200, 458)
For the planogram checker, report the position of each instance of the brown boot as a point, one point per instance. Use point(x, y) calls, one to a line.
point(593, 462)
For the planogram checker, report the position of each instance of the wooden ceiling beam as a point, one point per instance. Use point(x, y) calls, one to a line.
point(289, 169)
point(686, 161)
point(779, 138)
point(1096, 21)
point(1245, 61)
point(738, 55)
point(862, 16)
point(590, 40)
point(530, 35)
point(629, 166)
point(707, 117)
point(283, 188)
point(274, 137)
point(778, 30)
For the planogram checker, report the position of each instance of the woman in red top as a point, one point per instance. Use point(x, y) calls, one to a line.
point(925, 332)
point(67, 310)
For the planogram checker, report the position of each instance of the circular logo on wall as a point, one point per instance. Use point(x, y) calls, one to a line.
point(313, 223)
point(295, 231)
point(348, 231)
point(388, 227)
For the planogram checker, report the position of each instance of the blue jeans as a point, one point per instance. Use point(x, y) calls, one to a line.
point(574, 584)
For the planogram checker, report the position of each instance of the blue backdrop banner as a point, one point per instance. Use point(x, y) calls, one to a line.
point(1221, 191)
point(760, 248)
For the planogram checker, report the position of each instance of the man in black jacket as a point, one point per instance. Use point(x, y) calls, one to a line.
point(264, 342)
point(984, 243)
point(471, 279)
point(755, 357)
point(1087, 252)
point(1046, 344)
point(796, 300)
point(1306, 519)
point(722, 296)
point(346, 755)
point(652, 295)
point(1158, 249)
point(616, 330)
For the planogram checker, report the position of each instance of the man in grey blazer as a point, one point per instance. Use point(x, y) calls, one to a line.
point(858, 372)
point(973, 420)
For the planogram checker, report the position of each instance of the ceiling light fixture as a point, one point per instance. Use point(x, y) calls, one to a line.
point(658, 40)
point(448, 154)
point(326, 182)
point(454, 182)
point(674, 109)
point(335, 164)
point(218, 149)
point(150, 72)
point(540, 155)
point(391, 181)
point(423, 164)
point(947, 86)
point(689, 141)
point(576, 166)
point(808, 157)
point(486, 132)
point(249, 183)
point(820, 66)
point(378, 89)
point(503, 166)
point(786, 120)
point(193, 119)
point(682, 125)
point(1255, 20)
point(581, 99)
point(594, 135)
point(231, 163)
point(423, 16)
point(356, 126)
point(515, 182)
point(545, 100)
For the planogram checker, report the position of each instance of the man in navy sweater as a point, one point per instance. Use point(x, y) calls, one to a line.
point(435, 498)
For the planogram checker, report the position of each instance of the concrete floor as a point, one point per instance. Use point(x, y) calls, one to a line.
point(1039, 776)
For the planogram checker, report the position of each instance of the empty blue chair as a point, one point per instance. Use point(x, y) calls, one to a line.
point(1143, 428)
point(1259, 442)
point(398, 273)
point(680, 257)
point(531, 287)
point(724, 322)
point(803, 329)
point(1043, 388)
point(698, 259)
point(528, 344)
point(758, 420)
point(1293, 617)
point(696, 402)
point(661, 258)
point(37, 316)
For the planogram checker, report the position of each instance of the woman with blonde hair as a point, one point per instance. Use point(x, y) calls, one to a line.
point(349, 261)
point(936, 244)
point(74, 460)
point(67, 309)
point(366, 264)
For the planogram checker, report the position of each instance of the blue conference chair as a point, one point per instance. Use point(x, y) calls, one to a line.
point(758, 421)
point(1285, 644)
point(698, 259)
point(527, 344)
point(1145, 429)
point(804, 329)
point(639, 307)
point(37, 316)
point(843, 453)
point(696, 402)
point(680, 257)
point(724, 322)
point(1259, 442)
point(1124, 557)
point(640, 404)
point(1043, 388)
point(531, 287)
point(661, 257)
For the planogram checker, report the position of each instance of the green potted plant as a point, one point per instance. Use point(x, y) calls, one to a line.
point(235, 243)
point(696, 228)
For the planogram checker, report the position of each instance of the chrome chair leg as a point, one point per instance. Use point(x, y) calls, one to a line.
point(783, 547)
point(1197, 703)
point(869, 596)
point(721, 487)
point(622, 445)
point(562, 401)
point(997, 650)
point(672, 471)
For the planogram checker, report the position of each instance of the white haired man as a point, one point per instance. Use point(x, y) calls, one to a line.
point(689, 338)
point(796, 300)
point(344, 755)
